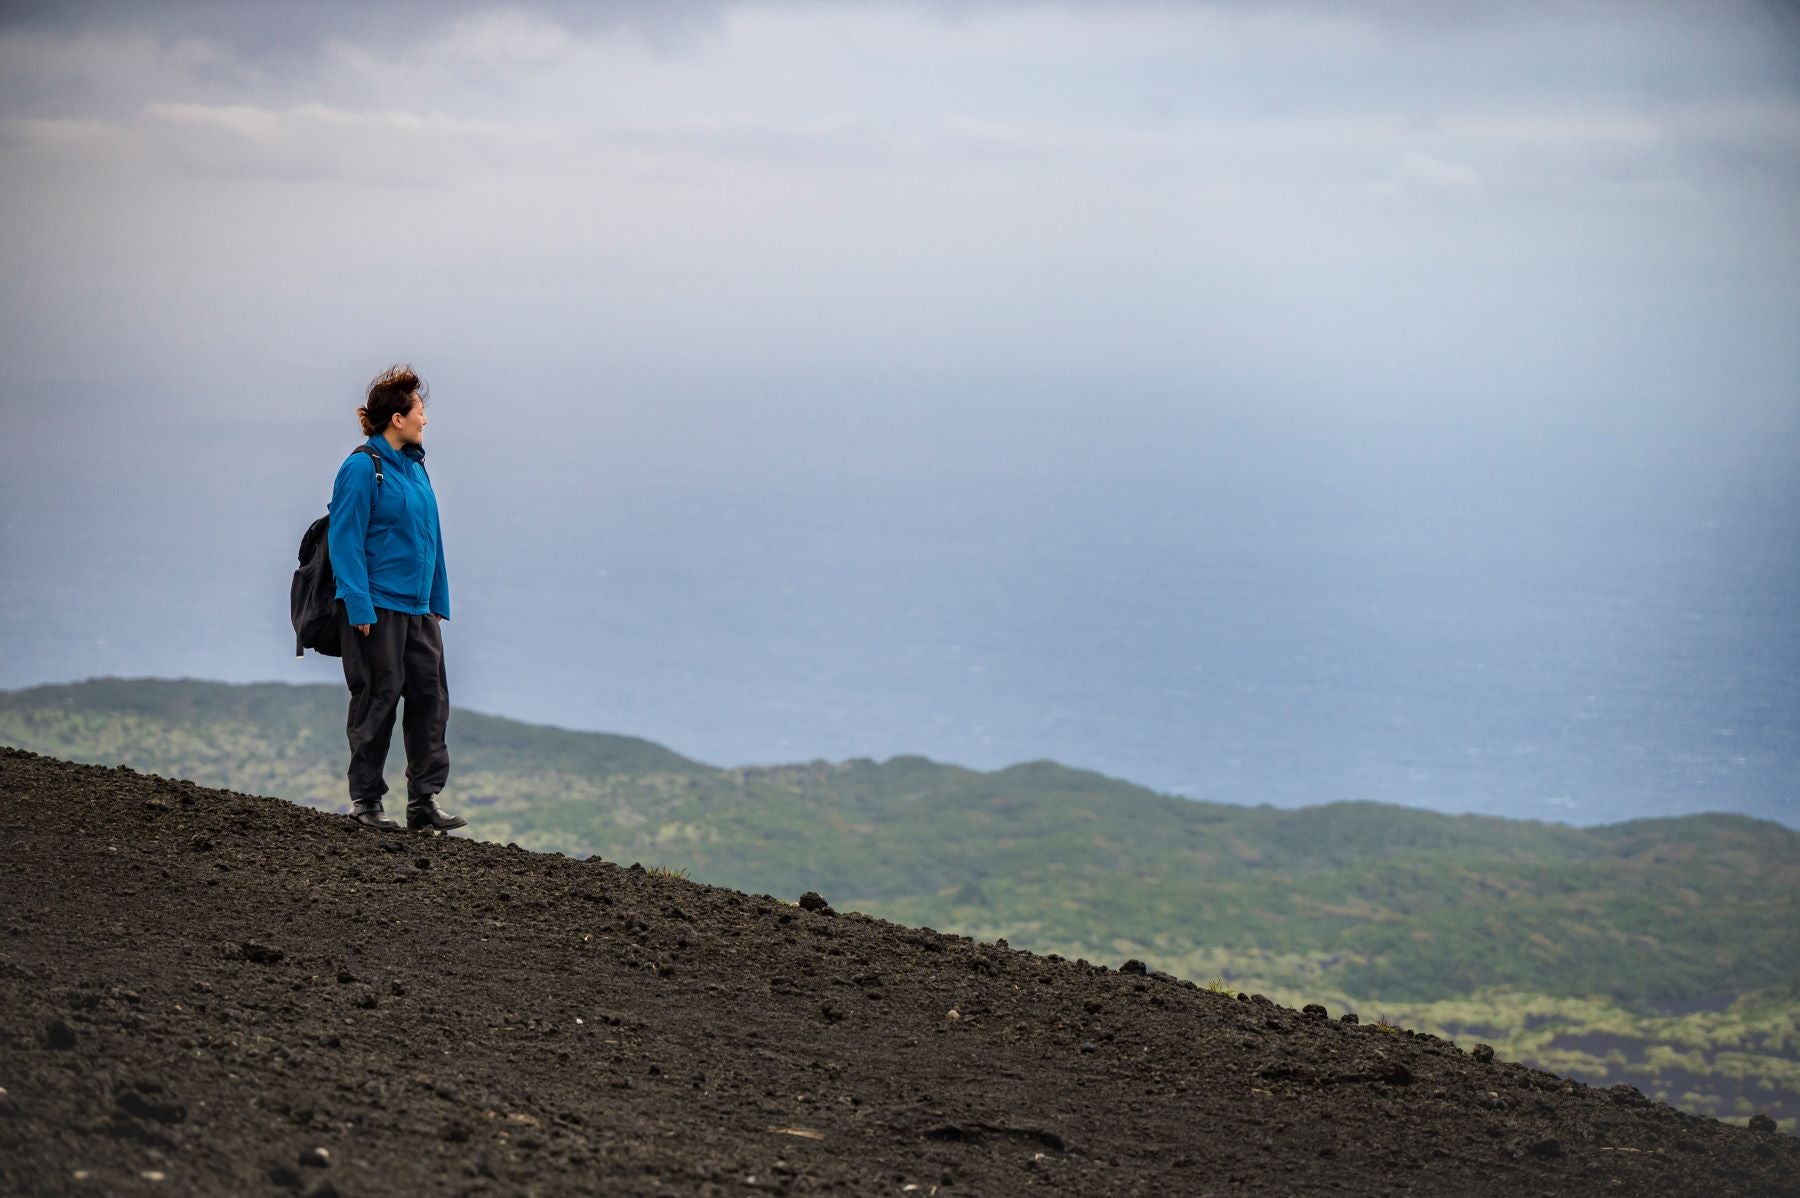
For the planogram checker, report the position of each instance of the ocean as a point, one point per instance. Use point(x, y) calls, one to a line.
point(1538, 620)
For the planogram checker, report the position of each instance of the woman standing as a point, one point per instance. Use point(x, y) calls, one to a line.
point(387, 553)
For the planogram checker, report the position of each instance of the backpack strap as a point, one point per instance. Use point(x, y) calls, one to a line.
point(374, 457)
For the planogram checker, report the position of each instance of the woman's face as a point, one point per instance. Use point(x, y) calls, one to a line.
point(410, 428)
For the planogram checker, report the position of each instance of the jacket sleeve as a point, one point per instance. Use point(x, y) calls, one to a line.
point(440, 580)
point(352, 499)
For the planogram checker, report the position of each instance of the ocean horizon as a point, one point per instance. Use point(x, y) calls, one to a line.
point(1463, 631)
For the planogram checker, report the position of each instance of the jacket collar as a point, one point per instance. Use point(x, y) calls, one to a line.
point(379, 443)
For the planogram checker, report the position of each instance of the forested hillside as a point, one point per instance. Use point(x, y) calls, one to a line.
point(1659, 952)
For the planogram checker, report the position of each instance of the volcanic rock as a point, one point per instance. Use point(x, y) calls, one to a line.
point(134, 1103)
point(689, 1082)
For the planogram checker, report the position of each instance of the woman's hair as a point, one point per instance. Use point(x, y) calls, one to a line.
point(392, 393)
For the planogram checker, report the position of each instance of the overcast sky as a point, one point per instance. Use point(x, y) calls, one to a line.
point(805, 315)
point(1552, 202)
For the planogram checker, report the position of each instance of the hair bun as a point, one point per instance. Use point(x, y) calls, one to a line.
point(391, 393)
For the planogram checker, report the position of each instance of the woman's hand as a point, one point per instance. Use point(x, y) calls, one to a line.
point(363, 628)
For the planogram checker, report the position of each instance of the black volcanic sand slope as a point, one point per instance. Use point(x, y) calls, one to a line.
point(208, 993)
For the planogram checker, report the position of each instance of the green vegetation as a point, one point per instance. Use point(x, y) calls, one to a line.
point(1565, 947)
point(1728, 1063)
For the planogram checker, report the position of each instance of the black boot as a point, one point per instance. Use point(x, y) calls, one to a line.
point(369, 816)
point(424, 815)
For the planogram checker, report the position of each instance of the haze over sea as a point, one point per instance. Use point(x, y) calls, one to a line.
point(1271, 404)
point(1544, 622)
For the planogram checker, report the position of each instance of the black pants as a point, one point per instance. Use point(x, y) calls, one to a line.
point(402, 658)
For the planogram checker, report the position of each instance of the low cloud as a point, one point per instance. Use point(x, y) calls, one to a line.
point(1419, 176)
point(802, 176)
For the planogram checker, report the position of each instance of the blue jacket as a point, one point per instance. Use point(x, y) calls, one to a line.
point(391, 556)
